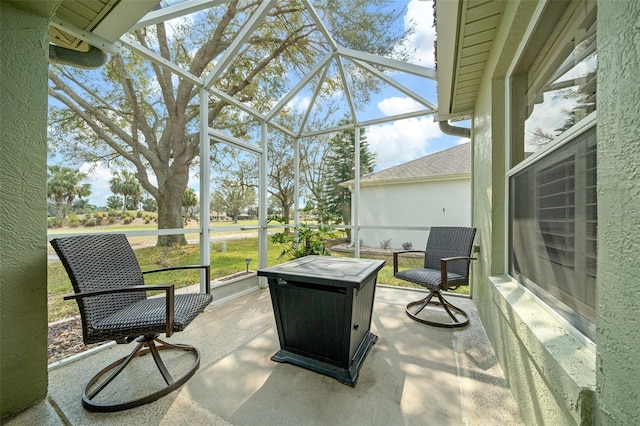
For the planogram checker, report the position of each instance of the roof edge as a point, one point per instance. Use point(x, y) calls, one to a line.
point(446, 48)
point(401, 181)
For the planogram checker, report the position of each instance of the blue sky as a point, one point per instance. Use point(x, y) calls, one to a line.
point(395, 142)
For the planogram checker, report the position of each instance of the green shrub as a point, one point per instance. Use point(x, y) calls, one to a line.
point(111, 220)
point(138, 214)
point(127, 220)
point(73, 222)
point(90, 222)
point(54, 222)
point(304, 241)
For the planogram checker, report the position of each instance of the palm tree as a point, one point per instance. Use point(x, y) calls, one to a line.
point(189, 199)
point(63, 186)
point(78, 190)
point(125, 183)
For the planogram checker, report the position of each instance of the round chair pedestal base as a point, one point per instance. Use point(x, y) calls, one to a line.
point(145, 346)
point(442, 302)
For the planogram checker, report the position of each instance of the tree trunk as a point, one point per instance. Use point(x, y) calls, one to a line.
point(170, 212)
point(346, 216)
point(59, 210)
point(286, 211)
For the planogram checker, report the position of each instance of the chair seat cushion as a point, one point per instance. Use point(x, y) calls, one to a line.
point(147, 317)
point(429, 278)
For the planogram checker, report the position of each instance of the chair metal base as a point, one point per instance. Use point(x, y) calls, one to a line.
point(448, 307)
point(147, 344)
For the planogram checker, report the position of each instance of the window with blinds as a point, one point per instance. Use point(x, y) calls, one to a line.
point(552, 182)
point(553, 230)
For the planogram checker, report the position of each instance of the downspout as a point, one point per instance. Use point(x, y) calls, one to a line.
point(93, 58)
point(462, 132)
point(450, 130)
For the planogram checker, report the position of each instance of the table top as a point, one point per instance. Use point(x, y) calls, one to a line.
point(324, 269)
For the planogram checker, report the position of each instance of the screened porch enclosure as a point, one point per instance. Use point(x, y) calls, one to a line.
point(321, 92)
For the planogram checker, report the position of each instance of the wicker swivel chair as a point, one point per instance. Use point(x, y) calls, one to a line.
point(111, 295)
point(446, 266)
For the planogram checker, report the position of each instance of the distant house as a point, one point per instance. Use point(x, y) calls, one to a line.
point(217, 216)
point(429, 191)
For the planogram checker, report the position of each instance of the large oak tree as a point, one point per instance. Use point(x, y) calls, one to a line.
point(132, 113)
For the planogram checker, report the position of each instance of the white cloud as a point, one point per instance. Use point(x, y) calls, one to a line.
point(98, 176)
point(397, 105)
point(300, 103)
point(402, 140)
point(420, 17)
point(549, 115)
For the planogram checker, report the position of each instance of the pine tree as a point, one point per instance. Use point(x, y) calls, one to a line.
point(340, 164)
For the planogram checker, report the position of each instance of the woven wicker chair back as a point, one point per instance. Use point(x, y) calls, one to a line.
point(97, 262)
point(449, 241)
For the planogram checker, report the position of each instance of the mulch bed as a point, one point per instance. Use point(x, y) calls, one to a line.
point(65, 339)
point(65, 336)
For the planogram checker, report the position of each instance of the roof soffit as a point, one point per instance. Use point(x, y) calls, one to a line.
point(78, 25)
point(466, 31)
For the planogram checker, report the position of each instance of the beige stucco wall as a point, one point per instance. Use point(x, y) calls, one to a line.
point(418, 204)
point(618, 284)
point(23, 238)
point(550, 372)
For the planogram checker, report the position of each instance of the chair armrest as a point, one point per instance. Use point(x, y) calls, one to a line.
point(169, 290)
point(443, 268)
point(397, 253)
point(207, 273)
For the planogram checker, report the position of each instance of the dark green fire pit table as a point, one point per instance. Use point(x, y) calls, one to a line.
point(323, 308)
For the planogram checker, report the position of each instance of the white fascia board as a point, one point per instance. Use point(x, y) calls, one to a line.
point(418, 70)
point(87, 36)
point(175, 11)
point(404, 181)
point(122, 17)
point(447, 26)
point(458, 116)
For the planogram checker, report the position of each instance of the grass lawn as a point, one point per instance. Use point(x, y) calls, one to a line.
point(222, 264)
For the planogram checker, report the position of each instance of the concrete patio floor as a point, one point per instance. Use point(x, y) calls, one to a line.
point(414, 375)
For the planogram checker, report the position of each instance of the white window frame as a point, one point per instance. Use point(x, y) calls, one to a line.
point(560, 141)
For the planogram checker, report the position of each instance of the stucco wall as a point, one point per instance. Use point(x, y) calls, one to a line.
point(23, 239)
point(618, 283)
point(550, 372)
point(422, 204)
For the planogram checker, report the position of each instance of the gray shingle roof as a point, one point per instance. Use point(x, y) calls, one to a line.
point(452, 162)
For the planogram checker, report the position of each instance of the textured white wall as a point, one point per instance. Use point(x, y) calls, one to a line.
point(413, 204)
point(539, 357)
point(618, 282)
point(23, 209)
